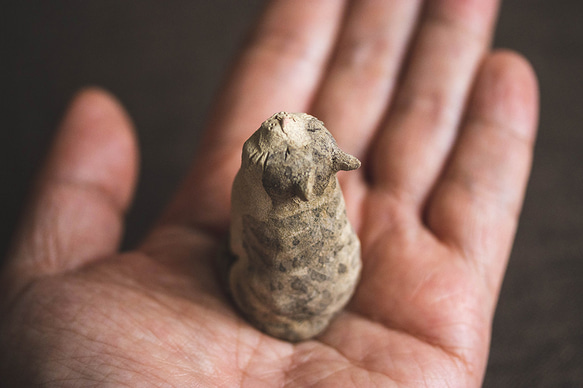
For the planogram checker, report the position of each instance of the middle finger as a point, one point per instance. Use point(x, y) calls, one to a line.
point(411, 149)
point(357, 89)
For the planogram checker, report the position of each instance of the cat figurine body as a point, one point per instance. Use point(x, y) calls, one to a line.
point(296, 256)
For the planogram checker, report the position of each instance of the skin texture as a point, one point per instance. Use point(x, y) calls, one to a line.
point(445, 130)
point(297, 258)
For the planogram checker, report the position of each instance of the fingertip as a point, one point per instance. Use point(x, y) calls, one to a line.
point(96, 144)
point(513, 61)
point(96, 103)
point(507, 92)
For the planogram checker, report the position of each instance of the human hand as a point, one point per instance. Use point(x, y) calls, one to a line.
point(445, 131)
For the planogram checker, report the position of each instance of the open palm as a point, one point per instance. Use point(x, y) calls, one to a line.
point(444, 128)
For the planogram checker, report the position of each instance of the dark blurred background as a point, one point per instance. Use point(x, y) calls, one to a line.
point(165, 61)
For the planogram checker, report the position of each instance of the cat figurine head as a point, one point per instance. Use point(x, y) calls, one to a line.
point(299, 156)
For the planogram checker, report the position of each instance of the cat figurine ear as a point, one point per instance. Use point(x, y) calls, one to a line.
point(315, 180)
point(344, 162)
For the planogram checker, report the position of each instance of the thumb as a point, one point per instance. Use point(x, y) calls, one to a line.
point(75, 213)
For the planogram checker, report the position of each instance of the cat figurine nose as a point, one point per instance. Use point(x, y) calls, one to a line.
point(285, 119)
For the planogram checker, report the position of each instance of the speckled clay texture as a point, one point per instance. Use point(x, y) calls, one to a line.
point(297, 258)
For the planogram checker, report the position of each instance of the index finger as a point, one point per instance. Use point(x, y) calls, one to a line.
point(279, 70)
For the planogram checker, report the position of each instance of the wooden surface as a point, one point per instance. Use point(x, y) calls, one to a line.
point(164, 60)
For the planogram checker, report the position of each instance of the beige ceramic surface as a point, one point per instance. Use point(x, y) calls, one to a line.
point(297, 256)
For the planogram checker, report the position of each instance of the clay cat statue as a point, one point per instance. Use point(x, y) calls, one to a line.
point(296, 257)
